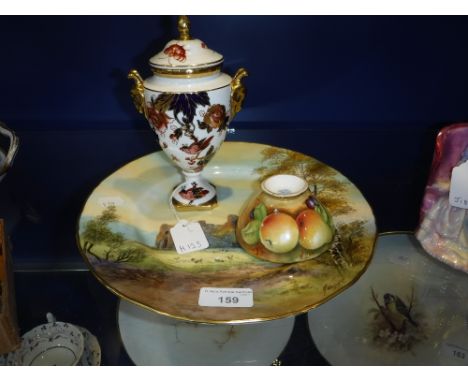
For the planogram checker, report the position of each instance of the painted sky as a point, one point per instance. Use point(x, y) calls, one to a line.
point(142, 188)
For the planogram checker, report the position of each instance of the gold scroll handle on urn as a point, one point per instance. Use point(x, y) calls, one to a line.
point(238, 92)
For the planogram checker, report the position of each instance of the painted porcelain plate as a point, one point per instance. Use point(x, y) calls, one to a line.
point(124, 237)
point(156, 340)
point(407, 309)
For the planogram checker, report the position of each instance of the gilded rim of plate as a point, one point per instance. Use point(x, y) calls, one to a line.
point(302, 310)
point(397, 232)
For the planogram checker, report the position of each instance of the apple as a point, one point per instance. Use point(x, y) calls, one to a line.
point(279, 232)
point(313, 231)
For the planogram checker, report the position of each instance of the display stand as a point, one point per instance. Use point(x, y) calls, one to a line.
point(152, 339)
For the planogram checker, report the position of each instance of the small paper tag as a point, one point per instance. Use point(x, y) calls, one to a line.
point(226, 297)
point(107, 201)
point(455, 354)
point(458, 196)
point(188, 237)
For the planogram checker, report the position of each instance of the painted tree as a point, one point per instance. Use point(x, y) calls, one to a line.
point(108, 215)
point(96, 230)
point(113, 244)
point(114, 241)
point(128, 254)
point(323, 178)
point(352, 234)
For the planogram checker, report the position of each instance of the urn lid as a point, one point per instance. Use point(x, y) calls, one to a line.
point(185, 55)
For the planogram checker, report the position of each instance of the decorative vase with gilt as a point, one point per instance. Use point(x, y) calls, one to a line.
point(189, 103)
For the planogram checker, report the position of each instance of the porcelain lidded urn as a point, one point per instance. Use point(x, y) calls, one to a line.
point(189, 103)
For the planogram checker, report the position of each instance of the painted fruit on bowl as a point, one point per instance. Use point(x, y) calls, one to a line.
point(279, 232)
point(285, 229)
point(314, 232)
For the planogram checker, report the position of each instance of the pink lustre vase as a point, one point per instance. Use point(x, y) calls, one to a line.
point(189, 103)
point(443, 228)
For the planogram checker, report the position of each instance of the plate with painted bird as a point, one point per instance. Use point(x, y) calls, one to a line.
point(407, 309)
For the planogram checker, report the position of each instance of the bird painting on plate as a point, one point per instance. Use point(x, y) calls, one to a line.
point(395, 323)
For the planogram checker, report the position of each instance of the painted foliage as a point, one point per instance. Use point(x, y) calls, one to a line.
point(152, 273)
point(176, 120)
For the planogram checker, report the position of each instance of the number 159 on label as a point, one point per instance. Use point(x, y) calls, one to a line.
point(228, 300)
point(226, 297)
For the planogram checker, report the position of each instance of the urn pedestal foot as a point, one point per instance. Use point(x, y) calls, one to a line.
point(195, 193)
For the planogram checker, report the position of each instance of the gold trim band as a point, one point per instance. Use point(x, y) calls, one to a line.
point(187, 72)
point(209, 205)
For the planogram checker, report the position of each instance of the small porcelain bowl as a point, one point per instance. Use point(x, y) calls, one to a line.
point(285, 222)
point(52, 344)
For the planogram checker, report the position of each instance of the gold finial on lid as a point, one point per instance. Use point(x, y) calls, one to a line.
point(183, 24)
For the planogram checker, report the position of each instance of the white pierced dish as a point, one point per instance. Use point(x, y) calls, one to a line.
point(92, 350)
point(51, 344)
